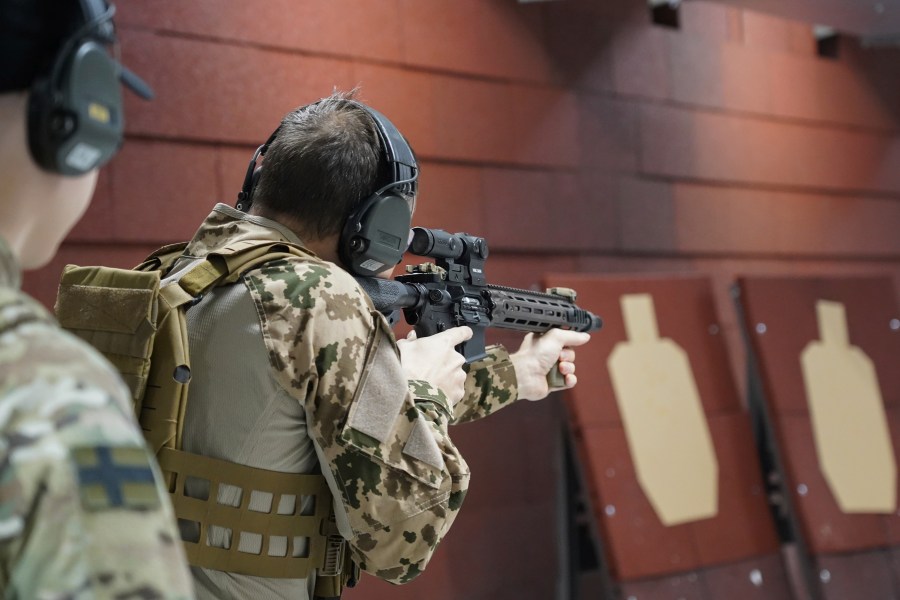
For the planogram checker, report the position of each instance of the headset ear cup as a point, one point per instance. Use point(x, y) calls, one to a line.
point(376, 235)
point(75, 121)
point(42, 106)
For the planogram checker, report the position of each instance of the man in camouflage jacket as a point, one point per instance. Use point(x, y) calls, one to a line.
point(83, 513)
point(293, 369)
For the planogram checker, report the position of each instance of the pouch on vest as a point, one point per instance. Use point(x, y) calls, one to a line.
point(115, 311)
point(136, 318)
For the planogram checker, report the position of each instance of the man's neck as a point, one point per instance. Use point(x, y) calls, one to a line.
point(325, 248)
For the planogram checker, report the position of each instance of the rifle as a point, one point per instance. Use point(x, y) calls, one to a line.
point(453, 291)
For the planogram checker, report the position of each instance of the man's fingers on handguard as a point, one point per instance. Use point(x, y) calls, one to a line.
point(565, 337)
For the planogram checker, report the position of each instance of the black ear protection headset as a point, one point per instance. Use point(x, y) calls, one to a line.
point(376, 233)
point(75, 120)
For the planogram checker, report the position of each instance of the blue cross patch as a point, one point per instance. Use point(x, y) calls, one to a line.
point(115, 477)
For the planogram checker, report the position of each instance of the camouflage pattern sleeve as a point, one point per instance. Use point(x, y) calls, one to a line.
point(397, 476)
point(82, 511)
point(490, 386)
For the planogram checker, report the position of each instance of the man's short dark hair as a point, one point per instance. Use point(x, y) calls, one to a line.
point(324, 161)
point(31, 33)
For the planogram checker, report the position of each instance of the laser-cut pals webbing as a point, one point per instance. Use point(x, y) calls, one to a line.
point(282, 536)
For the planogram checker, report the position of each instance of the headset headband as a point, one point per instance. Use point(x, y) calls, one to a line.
point(75, 110)
point(404, 170)
point(98, 24)
point(398, 154)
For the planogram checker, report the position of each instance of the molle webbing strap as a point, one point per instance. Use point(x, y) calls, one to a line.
point(306, 528)
point(162, 407)
point(202, 276)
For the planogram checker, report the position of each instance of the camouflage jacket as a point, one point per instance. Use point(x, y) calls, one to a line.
point(334, 373)
point(82, 511)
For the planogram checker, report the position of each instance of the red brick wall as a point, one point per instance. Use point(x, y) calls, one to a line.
point(574, 134)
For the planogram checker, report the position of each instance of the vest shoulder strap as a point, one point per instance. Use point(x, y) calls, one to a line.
point(163, 259)
point(225, 265)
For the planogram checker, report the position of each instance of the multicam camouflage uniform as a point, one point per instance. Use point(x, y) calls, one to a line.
point(293, 370)
point(82, 514)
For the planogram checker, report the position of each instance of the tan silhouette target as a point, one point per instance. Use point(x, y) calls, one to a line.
point(667, 432)
point(851, 434)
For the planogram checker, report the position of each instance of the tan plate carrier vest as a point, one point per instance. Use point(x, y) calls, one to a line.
point(136, 318)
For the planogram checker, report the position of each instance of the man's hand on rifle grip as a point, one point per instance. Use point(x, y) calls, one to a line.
point(539, 355)
point(434, 359)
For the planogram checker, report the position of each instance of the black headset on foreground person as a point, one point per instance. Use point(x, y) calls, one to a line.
point(75, 115)
point(376, 233)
